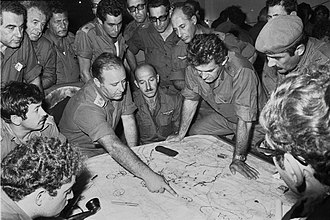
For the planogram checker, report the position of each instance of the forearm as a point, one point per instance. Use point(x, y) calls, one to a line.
point(130, 129)
point(48, 79)
point(188, 111)
point(84, 65)
point(242, 137)
point(131, 60)
point(125, 156)
point(37, 82)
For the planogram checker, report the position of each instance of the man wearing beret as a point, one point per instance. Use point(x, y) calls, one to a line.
point(287, 47)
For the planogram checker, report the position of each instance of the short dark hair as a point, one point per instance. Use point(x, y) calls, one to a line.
point(16, 98)
point(321, 29)
point(109, 7)
point(57, 7)
point(41, 5)
point(289, 5)
point(105, 61)
point(297, 118)
point(158, 3)
point(204, 48)
point(186, 9)
point(40, 163)
point(13, 7)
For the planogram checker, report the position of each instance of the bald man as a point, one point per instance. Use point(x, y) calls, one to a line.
point(158, 114)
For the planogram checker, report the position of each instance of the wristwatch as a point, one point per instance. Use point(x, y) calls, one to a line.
point(240, 157)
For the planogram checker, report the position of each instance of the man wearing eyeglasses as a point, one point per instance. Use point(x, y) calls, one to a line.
point(297, 123)
point(138, 10)
point(157, 41)
point(103, 34)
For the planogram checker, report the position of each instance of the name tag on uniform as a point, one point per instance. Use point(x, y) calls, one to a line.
point(18, 66)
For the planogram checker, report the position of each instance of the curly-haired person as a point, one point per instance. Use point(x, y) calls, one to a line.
point(228, 83)
point(37, 177)
point(297, 123)
point(22, 116)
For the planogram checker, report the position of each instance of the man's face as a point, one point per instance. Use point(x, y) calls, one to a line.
point(11, 29)
point(159, 17)
point(112, 25)
point(36, 22)
point(35, 118)
point(208, 72)
point(147, 81)
point(55, 204)
point(138, 10)
point(275, 11)
point(114, 83)
point(185, 28)
point(282, 61)
point(58, 24)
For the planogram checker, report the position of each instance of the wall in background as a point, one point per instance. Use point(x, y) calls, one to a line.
point(250, 7)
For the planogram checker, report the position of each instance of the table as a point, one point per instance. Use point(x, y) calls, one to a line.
point(199, 174)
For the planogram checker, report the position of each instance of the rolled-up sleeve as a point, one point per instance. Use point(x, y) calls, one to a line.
point(245, 94)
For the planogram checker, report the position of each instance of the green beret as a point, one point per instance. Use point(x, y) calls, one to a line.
point(279, 34)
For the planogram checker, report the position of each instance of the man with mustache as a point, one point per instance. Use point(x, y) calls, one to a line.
point(18, 60)
point(22, 116)
point(67, 67)
point(288, 49)
point(158, 114)
point(37, 17)
point(93, 113)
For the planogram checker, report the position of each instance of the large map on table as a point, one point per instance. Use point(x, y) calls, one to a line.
point(199, 174)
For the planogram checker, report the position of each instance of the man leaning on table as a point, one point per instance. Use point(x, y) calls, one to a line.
point(228, 83)
point(297, 123)
point(91, 116)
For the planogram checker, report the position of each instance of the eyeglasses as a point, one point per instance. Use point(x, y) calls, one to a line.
point(139, 7)
point(161, 18)
point(264, 148)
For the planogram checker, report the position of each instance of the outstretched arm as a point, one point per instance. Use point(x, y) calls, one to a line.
point(130, 161)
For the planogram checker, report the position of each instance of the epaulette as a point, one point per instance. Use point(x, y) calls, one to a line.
point(87, 27)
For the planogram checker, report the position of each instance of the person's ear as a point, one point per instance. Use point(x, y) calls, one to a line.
point(300, 50)
point(293, 169)
point(40, 196)
point(97, 82)
point(16, 120)
point(136, 83)
point(225, 61)
point(194, 19)
point(293, 13)
point(157, 78)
